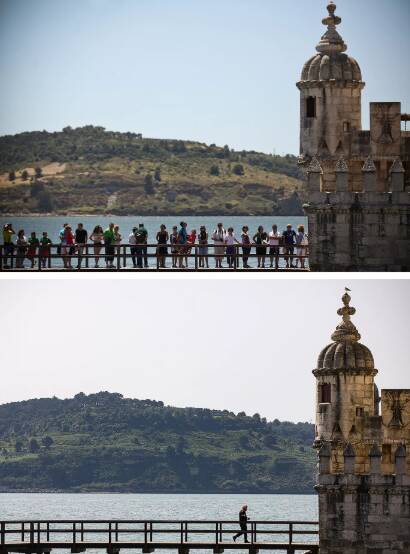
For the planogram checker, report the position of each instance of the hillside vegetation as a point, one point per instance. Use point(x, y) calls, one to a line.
point(104, 442)
point(93, 171)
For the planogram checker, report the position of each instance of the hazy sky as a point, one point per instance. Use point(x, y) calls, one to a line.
point(220, 71)
point(230, 344)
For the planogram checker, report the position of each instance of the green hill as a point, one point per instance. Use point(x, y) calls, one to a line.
point(93, 171)
point(104, 442)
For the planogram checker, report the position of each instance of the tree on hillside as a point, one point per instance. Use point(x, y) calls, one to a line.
point(149, 184)
point(24, 175)
point(238, 169)
point(12, 176)
point(157, 174)
point(38, 172)
point(214, 170)
point(47, 441)
point(33, 446)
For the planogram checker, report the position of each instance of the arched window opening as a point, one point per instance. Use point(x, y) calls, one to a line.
point(346, 127)
point(311, 106)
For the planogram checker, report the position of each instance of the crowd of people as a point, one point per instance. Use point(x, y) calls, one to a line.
point(178, 244)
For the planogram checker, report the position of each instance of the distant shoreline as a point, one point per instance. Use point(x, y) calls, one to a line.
point(141, 214)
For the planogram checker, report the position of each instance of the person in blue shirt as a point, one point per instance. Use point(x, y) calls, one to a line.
point(182, 242)
point(289, 239)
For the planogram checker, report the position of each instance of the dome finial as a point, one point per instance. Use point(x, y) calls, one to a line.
point(331, 42)
point(346, 331)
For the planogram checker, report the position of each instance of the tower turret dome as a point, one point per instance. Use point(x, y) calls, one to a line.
point(331, 63)
point(346, 352)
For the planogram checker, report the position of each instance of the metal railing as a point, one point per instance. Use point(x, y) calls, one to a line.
point(176, 257)
point(195, 534)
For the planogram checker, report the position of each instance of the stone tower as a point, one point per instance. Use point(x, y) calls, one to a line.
point(363, 466)
point(357, 181)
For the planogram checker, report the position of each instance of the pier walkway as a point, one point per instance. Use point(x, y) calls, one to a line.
point(42, 536)
point(126, 257)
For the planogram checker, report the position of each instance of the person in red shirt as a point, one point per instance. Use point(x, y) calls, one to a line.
point(191, 240)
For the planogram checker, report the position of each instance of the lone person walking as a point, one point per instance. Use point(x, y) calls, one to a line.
point(243, 518)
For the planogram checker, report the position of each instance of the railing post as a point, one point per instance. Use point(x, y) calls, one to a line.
point(124, 255)
point(48, 531)
point(220, 532)
point(116, 531)
point(290, 533)
point(32, 532)
point(196, 258)
point(74, 534)
point(216, 533)
point(182, 532)
point(3, 532)
point(82, 531)
point(118, 258)
point(150, 530)
point(22, 532)
point(109, 533)
point(145, 532)
point(38, 259)
point(1, 257)
point(86, 256)
point(38, 532)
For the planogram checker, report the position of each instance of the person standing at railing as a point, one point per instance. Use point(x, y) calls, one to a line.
point(203, 247)
point(274, 239)
point(97, 236)
point(109, 241)
point(8, 233)
point(21, 248)
point(44, 249)
point(230, 241)
point(162, 250)
point(182, 244)
point(191, 240)
point(301, 246)
point(132, 243)
point(81, 238)
point(243, 519)
point(218, 236)
point(289, 237)
point(246, 246)
point(117, 239)
point(33, 244)
point(141, 238)
point(174, 247)
point(261, 240)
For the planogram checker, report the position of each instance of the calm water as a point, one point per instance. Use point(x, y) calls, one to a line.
point(160, 506)
point(53, 224)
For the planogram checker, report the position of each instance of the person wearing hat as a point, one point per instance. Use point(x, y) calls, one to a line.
point(289, 238)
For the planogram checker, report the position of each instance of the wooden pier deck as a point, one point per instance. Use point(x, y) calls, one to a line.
point(41, 537)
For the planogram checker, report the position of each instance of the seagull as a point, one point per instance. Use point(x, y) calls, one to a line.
point(347, 290)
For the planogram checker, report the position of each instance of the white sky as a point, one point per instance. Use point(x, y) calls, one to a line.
point(219, 343)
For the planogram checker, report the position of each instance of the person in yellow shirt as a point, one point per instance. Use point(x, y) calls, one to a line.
point(8, 249)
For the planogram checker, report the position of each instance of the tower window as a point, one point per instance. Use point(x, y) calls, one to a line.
point(359, 412)
point(346, 127)
point(311, 106)
point(325, 393)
